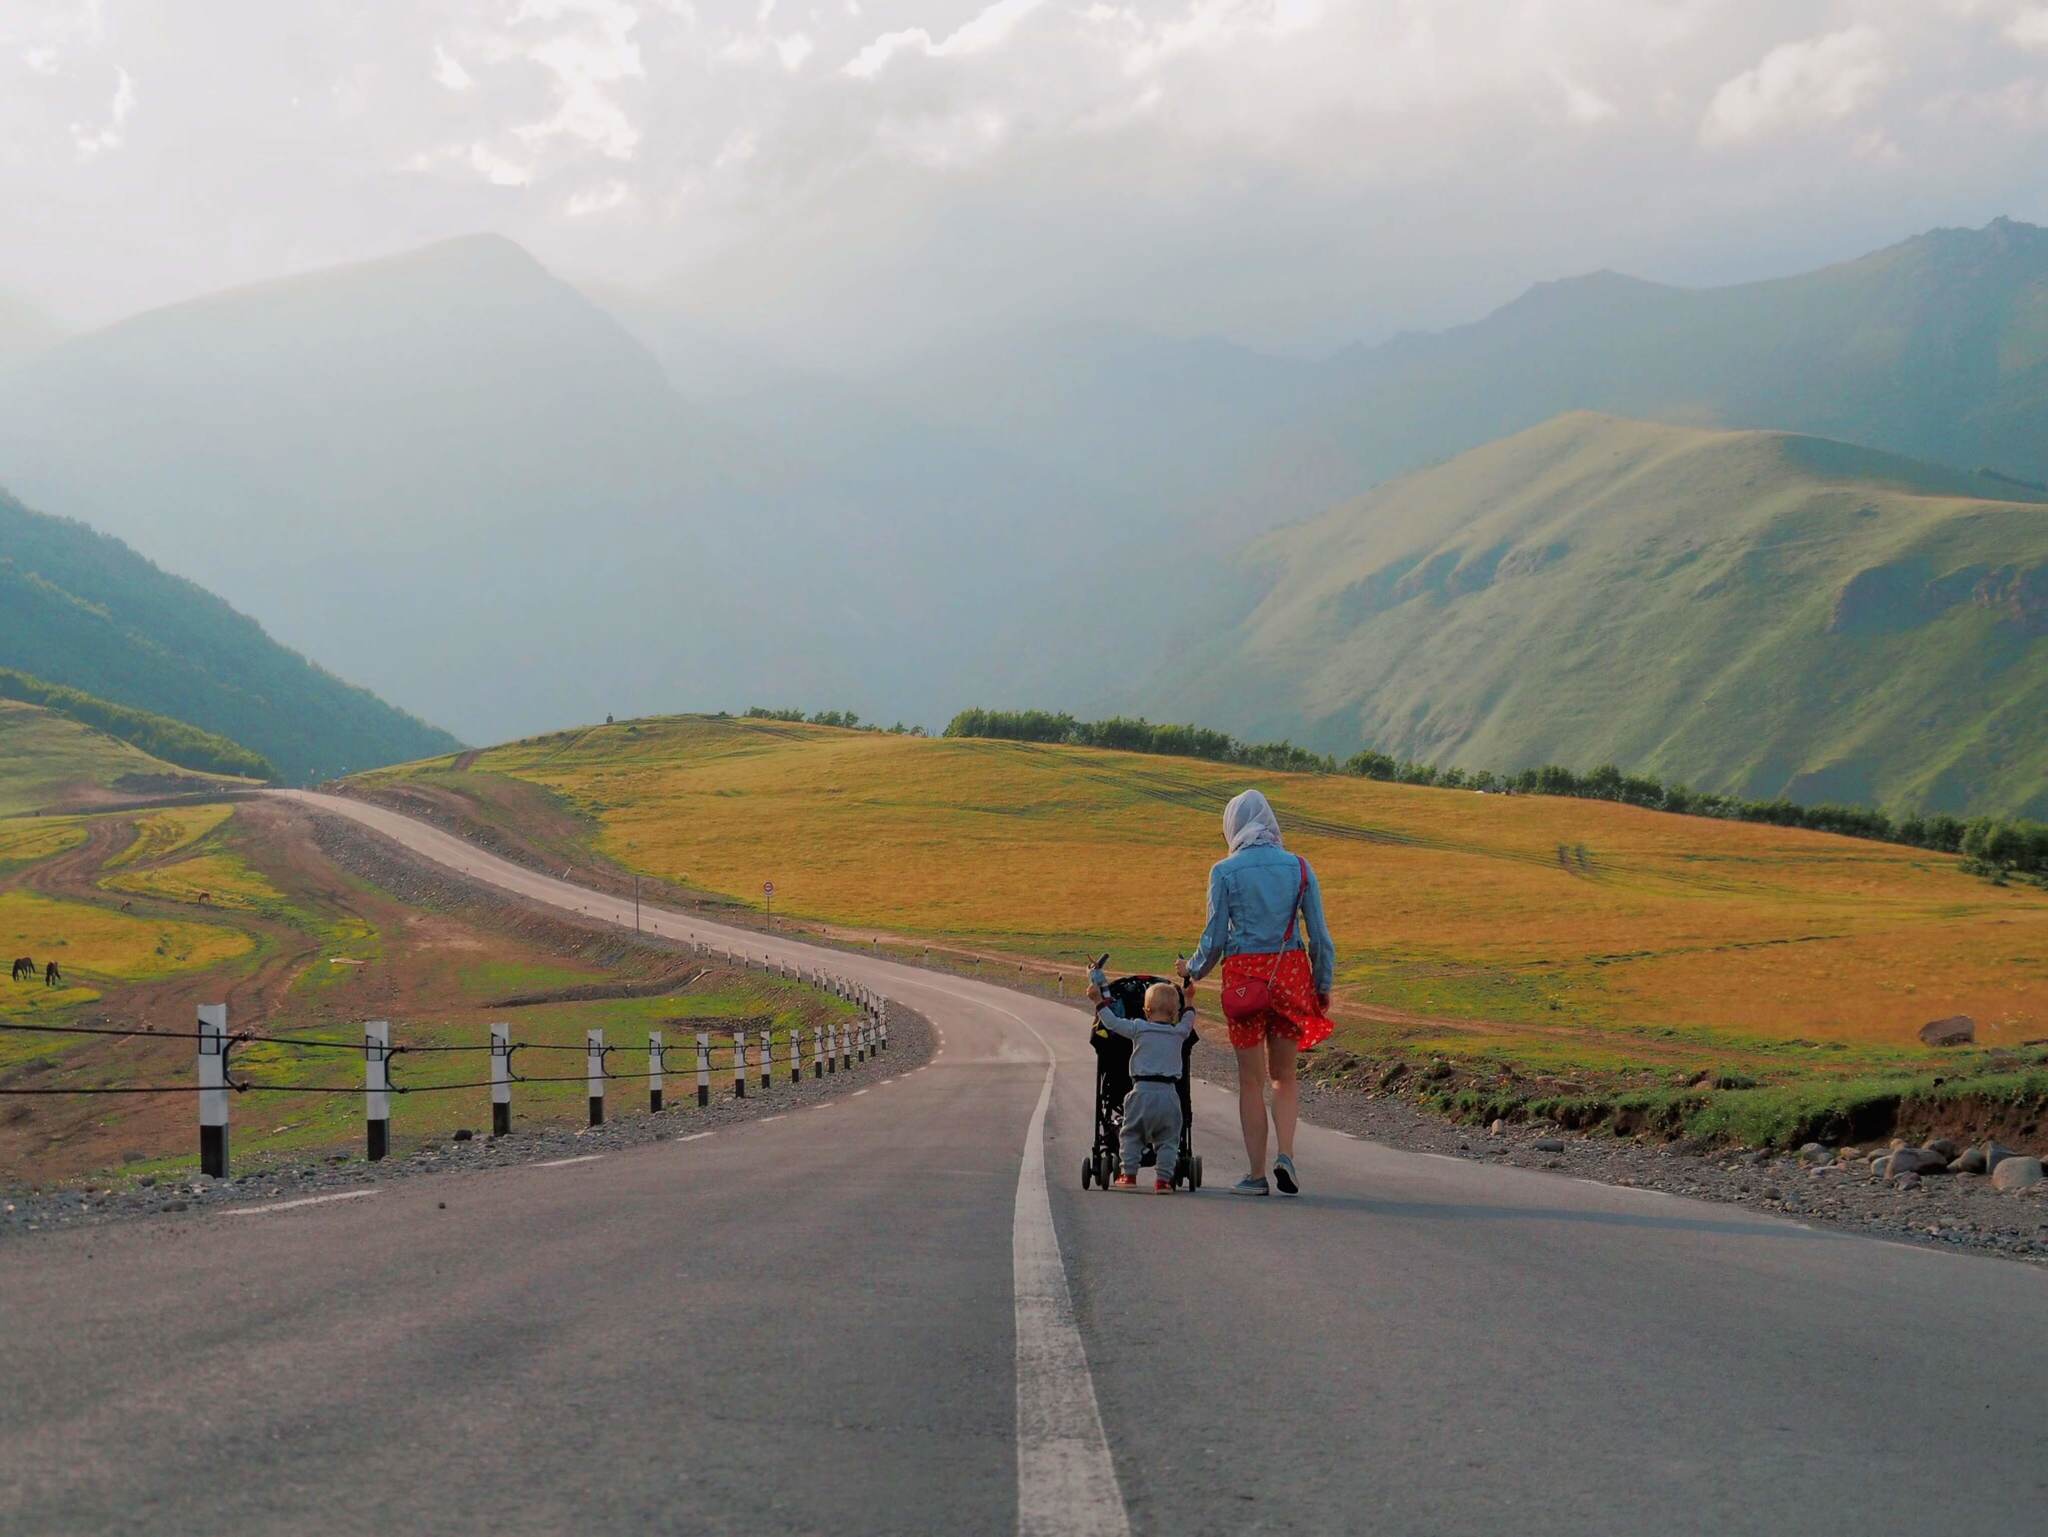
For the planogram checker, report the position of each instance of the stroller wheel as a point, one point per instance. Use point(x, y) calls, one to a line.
point(1195, 1172)
point(1102, 1171)
point(1087, 1172)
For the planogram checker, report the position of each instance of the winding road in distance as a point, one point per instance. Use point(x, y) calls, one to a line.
point(899, 1313)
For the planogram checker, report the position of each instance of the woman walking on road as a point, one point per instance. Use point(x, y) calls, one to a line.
point(1276, 997)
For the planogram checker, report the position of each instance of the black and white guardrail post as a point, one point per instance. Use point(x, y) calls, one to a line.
point(703, 1068)
point(213, 1089)
point(767, 1059)
point(796, 1055)
point(593, 1073)
point(377, 1086)
point(817, 1051)
point(654, 1068)
point(501, 1080)
point(846, 1046)
point(885, 1025)
point(739, 1064)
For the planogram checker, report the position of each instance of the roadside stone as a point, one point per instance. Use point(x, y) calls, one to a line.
point(1548, 1145)
point(1956, 1030)
point(1814, 1153)
point(2016, 1173)
point(464, 1134)
point(1498, 1128)
point(1995, 1153)
point(1943, 1146)
point(1907, 1181)
point(1969, 1161)
point(1913, 1160)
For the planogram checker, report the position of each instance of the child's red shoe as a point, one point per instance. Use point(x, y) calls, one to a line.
point(1164, 1186)
point(1125, 1182)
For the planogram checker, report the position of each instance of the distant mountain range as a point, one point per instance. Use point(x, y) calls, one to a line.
point(507, 506)
point(1759, 613)
point(82, 609)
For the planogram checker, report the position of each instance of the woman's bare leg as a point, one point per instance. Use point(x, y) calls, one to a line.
point(1281, 1055)
point(1251, 1106)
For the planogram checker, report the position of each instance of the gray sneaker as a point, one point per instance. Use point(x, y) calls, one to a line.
point(1283, 1174)
point(1251, 1184)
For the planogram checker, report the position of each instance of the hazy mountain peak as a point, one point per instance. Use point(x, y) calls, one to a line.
point(1571, 296)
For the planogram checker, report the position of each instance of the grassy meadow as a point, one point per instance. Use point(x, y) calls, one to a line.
point(1559, 936)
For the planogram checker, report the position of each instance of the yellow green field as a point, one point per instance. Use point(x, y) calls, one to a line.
point(217, 880)
point(96, 942)
point(24, 840)
point(159, 834)
point(1561, 932)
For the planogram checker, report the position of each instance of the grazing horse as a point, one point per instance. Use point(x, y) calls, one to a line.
point(23, 967)
point(52, 977)
point(205, 897)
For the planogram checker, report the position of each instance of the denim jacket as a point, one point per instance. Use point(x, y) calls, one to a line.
point(1251, 895)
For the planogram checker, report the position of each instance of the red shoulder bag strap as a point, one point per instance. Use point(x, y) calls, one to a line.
point(1287, 939)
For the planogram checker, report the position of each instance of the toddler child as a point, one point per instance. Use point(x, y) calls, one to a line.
point(1152, 1109)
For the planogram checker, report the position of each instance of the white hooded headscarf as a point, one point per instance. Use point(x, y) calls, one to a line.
point(1248, 822)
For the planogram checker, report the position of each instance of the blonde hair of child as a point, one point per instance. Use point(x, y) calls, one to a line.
point(1162, 1002)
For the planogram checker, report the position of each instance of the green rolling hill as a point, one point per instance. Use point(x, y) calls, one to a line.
point(50, 760)
point(1751, 612)
point(81, 609)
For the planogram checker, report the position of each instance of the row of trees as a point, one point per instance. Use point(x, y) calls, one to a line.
point(845, 720)
point(1993, 846)
point(1992, 843)
point(1126, 734)
point(158, 735)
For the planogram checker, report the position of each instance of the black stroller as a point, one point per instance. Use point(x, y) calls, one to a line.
point(1113, 1082)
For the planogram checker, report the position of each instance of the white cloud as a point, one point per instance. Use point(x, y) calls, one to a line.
point(1584, 106)
point(449, 73)
point(602, 198)
point(495, 168)
point(1800, 86)
point(113, 133)
point(2029, 29)
point(590, 56)
point(44, 61)
point(987, 29)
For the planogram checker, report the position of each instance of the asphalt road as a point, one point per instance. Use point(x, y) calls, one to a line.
point(898, 1312)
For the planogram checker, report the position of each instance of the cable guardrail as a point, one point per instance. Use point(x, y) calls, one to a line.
point(747, 1050)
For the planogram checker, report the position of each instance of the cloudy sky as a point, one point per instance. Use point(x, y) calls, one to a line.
point(848, 178)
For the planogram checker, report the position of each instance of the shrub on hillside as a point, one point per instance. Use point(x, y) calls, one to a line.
point(158, 735)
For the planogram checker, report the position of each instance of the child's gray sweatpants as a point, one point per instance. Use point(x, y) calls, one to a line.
point(1152, 1118)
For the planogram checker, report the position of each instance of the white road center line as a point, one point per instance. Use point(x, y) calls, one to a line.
point(310, 1200)
point(767, 1118)
point(856, 1094)
point(1066, 1482)
point(697, 1136)
point(563, 1163)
